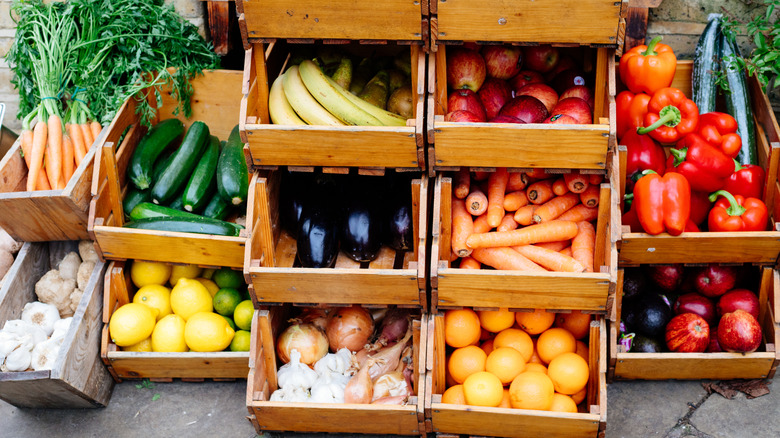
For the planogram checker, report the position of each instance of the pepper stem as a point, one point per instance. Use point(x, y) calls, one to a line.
point(679, 155)
point(737, 166)
point(670, 116)
point(650, 51)
point(734, 208)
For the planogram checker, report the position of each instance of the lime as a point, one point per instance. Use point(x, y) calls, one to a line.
point(131, 324)
point(184, 271)
point(226, 277)
point(168, 335)
point(144, 346)
point(243, 315)
point(241, 341)
point(226, 300)
point(208, 273)
point(189, 297)
point(210, 285)
point(207, 331)
point(144, 273)
point(156, 296)
point(230, 321)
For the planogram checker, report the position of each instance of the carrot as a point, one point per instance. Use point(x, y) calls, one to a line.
point(515, 200)
point(507, 223)
point(555, 246)
point(79, 150)
point(525, 215)
point(595, 179)
point(583, 243)
point(95, 127)
point(67, 159)
point(481, 225)
point(54, 151)
point(559, 187)
point(590, 197)
point(580, 213)
point(87, 133)
point(576, 182)
point(469, 263)
point(453, 257)
point(505, 259)
point(481, 175)
point(555, 207)
point(552, 260)
point(462, 227)
point(566, 251)
point(462, 183)
point(517, 181)
point(545, 232)
point(476, 202)
point(496, 191)
point(36, 154)
point(538, 174)
point(540, 192)
point(27, 142)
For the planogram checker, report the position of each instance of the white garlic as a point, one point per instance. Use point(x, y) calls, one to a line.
point(22, 328)
point(61, 327)
point(45, 354)
point(338, 362)
point(19, 359)
point(296, 374)
point(8, 343)
point(42, 315)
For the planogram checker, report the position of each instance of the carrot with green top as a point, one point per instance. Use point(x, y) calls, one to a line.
point(68, 161)
point(545, 232)
point(555, 207)
point(53, 156)
point(26, 144)
point(582, 246)
point(37, 151)
point(79, 150)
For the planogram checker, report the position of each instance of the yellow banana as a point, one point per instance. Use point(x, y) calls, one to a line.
point(386, 117)
point(279, 108)
point(303, 103)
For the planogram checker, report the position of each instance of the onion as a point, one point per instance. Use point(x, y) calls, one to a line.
point(307, 339)
point(359, 388)
point(316, 316)
point(386, 359)
point(349, 327)
point(394, 325)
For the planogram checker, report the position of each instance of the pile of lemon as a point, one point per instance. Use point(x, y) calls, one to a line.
point(204, 310)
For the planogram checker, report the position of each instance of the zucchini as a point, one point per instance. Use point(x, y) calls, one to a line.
point(176, 203)
point(217, 208)
point(186, 225)
point(202, 181)
point(161, 164)
point(149, 148)
point(146, 210)
point(133, 198)
point(176, 174)
point(706, 65)
point(232, 173)
point(738, 103)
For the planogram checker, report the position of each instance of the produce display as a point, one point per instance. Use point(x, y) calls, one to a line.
point(8, 247)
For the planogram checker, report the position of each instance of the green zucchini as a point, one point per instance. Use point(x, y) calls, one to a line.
point(217, 208)
point(203, 179)
point(706, 65)
point(149, 148)
point(146, 210)
point(232, 173)
point(161, 164)
point(176, 203)
point(133, 198)
point(186, 225)
point(738, 103)
point(177, 173)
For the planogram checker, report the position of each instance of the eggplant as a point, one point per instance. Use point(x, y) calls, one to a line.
point(318, 244)
point(361, 231)
point(295, 188)
point(399, 229)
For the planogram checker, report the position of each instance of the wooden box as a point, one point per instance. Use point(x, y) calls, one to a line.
point(196, 366)
point(344, 418)
point(522, 145)
point(508, 422)
point(78, 378)
point(271, 255)
point(330, 146)
point(693, 366)
point(716, 247)
point(214, 101)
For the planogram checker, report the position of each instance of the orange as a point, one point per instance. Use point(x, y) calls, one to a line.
point(483, 389)
point(517, 339)
point(454, 395)
point(531, 390)
point(563, 403)
point(447, 376)
point(461, 327)
point(583, 350)
point(535, 358)
point(554, 342)
point(569, 373)
point(535, 322)
point(487, 346)
point(580, 396)
point(505, 363)
point(576, 322)
point(535, 367)
point(466, 361)
point(496, 320)
point(506, 401)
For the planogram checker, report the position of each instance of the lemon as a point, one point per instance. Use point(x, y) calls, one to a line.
point(208, 273)
point(131, 324)
point(184, 271)
point(243, 315)
point(168, 335)
point(241, 341)
point(210, 285)
point(226, 277)
point(155, 296)
point(230, 321)
point(144, 346)
point(207, 331)
point(189, 297)
point(226, 300)
point(145, 273)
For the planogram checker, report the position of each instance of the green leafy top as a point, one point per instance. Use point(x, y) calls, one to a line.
point(764, 31)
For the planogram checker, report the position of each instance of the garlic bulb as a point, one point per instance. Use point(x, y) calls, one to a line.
point(45, 354)
point(329, 388)
point(61, 327)
point(296, 374)
point(42, 315)
point(338, 362)
point(22, 328)
point(19, 359)
point(290, 394)
point(8, 343)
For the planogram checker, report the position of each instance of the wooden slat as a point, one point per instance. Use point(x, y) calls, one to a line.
point(114, 191)
point(711, 247)
point(385, 259)
point(286, 249)
point(636, 27)
point(219, 25)
point(224, 364)
point(687, 366)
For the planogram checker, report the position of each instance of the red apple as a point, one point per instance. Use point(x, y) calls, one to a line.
point(739, 332)
point(667, 277)
point(561, 119)
point(471, 45)
point(575, 107)
point(465, 69)
point(505, 119)
point(494, 94)
point(462, 116)
point(687, 333)
point(715, 280)
point(543, 92)
point(738, 299)
point(526, 108)
point(565, 62)
point(502, 62)
point(580, 91)
point(524, 78)
point(541, 58)
point(466, 100)
point(697, 304)
point(567, 79)
point(714, 346)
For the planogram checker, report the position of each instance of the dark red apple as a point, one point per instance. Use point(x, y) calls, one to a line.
point(714, 346)
point(462, 116)
point(738, 299)
point(739, 332)
point(698, 304)
point(502, 62)
point(543, 92)
point(715, 280)
point(575, 107)
point(666, 277)
point(565, 62)
point(472, 46)
point(465, 69)
point(466, 100)
point(541, 58)
point(580, 91)
point(505, 119)
point(687, 333)
point(494, 94)
point(567, 79)
point(526, 108)
point(561, 119)
point(524, 78)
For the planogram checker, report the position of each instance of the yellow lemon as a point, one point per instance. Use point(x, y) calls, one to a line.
point(241, 341)
point(243, 314)
point(144, 346)
point(131, 324)
point(184, 271)
point(168, 335)
point(207, 331)
point(155, 296)
point(144, 273)
point(210, 285)
point(189, 297)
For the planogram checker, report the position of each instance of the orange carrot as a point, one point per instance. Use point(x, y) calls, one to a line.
point(496, 191)
point(79, 150)
point(453, 257)
point(559, 187)
point(87, 133)
point(507, 223)
point(67, 158)
point(590, 197)
point(576, 182)
point(545, 232)
point(515, 200)
point(552, 260)
point(540, 192)
point(580, 213)
point(538, 174)
point(566, 251)
point(554, 246)
point(505, 259)
point(462, 227)
point(462, 182)
point(27, 142)
point(476, 202)
point(481, 225)
point(54, 151)
point(469, 263)
point(555, 207)
point(583, 243)
point(595, 179)
point(481, 175)
point(95, 127)
point(517, 181)
point(36, 154)
point(525, 215)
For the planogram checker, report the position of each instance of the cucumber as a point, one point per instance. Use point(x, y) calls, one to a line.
point(738, 104)
point(232, 173)
point(133, 198)
point(706, 65)
point(177, 173)
point(186, 225)
point(202, 181)
point(149, 148)
point(217, 208)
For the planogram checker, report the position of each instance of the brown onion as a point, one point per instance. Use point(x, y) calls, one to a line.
point(307, 339)
point(359, 388)
point(349, 327)
point(316, 316)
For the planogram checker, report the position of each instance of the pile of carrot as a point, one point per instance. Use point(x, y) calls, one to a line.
point(528, 221)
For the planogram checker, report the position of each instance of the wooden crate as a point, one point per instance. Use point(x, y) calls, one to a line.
point(215, 102)
point(120, 290)
point(522, 145)
point(693, 366)
point(271, 254)
point(506, 422)
point(332, 146)
point(716, 247)
point(78, 378)
point(453, 287)
point(320, 417)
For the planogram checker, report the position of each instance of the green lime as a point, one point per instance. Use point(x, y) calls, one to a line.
point(241, 341)
point(243, 315)
point(226, 277)
point(230, 322)
point(226, 300)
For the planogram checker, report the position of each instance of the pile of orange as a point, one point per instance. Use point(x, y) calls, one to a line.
point(524, 360)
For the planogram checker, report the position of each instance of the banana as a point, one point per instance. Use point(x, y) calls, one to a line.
point(279, 108)
point(387, 118)
point(328, 96)
point(302, 101)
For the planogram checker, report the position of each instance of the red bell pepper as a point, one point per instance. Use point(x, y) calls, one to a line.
point(720, 130)
point(670, 116)
point(735, 213)
point(631, 110)
point(663, 203)
point(643, 153)
point(705, 167)
point(631, 219)
point(747, 181)
point(690, 227)
point(700, 207)
point(649, 67)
